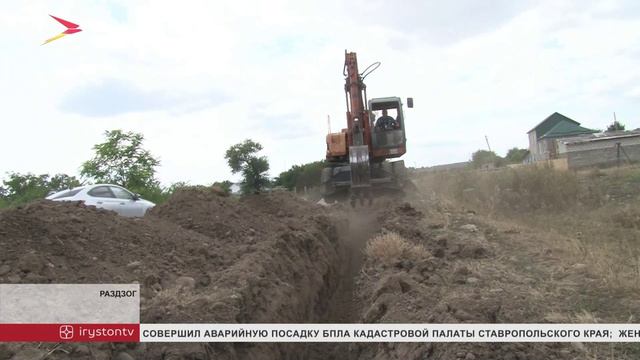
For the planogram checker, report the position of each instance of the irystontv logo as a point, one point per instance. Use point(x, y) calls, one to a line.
point(66, 332)
point(71, 29)
point(105, 332)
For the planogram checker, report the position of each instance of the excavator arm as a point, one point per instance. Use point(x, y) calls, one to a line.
point(355, 93)
point(358, 127)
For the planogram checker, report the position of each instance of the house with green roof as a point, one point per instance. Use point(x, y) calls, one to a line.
point(543, 138)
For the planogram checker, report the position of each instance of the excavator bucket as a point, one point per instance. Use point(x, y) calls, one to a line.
point(359, 162)
point(347, 182)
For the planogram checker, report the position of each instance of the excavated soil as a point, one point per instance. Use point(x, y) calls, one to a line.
point(206, 257)
point(476, 270)
point(200, 257)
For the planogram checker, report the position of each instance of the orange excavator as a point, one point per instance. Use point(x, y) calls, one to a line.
point(357, 157)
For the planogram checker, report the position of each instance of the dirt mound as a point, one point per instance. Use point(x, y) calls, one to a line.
point(433, 230)
point(65, 242)
point(435, 265)
point(271, 256)
point(200, 257)
point(207, 257)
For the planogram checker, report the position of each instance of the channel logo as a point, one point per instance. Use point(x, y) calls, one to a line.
point(66, 332)
point(71, 29)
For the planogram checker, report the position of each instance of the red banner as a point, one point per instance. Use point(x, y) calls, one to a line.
point(70, 332)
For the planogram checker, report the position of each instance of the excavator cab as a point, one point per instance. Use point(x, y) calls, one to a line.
point(388, 131)
point(365, 166)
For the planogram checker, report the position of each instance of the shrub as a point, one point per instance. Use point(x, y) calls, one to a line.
point(390, 248)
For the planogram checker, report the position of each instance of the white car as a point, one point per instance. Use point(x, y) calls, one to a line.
point(106, 196)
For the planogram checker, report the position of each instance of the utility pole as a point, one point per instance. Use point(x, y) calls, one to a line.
point(487, 140)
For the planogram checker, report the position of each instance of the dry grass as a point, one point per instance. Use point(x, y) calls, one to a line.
point(628, 217)
point(594, 214)
point(506, 190)
point(390, 248)
point(609, 251)
point(591, 221)
point(585, 317)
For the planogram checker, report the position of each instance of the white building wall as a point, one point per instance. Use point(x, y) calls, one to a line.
point(603, 153)
point(533, 146)
point(603, 144)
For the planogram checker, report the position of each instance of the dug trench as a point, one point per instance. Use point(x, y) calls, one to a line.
point(343, 305)
point(203, 257)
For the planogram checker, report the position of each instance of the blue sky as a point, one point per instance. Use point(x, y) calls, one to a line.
point(198, 76)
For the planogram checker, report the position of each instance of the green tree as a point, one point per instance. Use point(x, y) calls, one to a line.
point(289, 178)
point(242, 158)
point(224, 185)
point(176, 186)
point(158, 194)
point(615, 126)
point(516, 156)
point(21, 188)
point(481, 158)
point(122, 160)
point(299, 176)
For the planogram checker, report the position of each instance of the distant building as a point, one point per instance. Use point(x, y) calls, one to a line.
point(542, 138)
point(601, 150)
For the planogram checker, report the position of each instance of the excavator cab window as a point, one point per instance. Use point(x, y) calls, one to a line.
point(387, 130)
point(386, 119)
point(386, 115)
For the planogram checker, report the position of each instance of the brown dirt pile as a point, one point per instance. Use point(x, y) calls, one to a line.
point(451, 267)
point(200, 257)
point(54, 242)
